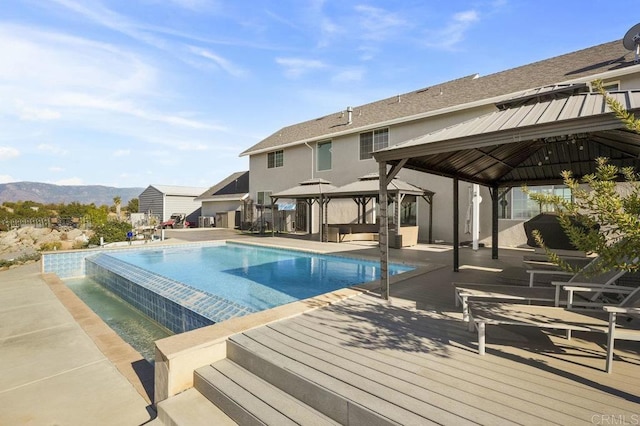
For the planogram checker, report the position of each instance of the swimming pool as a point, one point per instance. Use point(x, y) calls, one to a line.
point(254, 277)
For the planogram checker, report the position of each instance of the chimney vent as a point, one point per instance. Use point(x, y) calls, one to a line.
point(349, 115)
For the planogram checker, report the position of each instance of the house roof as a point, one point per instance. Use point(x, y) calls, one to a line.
point(603, 60)
point(532, 143)
point(231, 188)
point(190, 191)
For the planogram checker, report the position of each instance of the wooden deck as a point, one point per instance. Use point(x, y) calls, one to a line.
point(411, 360)
point(416, 354)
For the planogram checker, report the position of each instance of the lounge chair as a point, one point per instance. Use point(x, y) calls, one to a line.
point(549, 317)
point(580, 283)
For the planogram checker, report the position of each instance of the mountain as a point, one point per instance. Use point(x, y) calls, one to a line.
point(47, 193)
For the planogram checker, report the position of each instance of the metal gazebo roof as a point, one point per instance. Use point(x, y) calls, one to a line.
point(530, 143)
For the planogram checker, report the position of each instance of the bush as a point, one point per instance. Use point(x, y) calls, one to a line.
point(110, 232)
point(51, 246)
point(20, 260)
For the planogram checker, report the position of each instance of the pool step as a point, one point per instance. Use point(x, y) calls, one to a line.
point(191, 408)
point(249, 400)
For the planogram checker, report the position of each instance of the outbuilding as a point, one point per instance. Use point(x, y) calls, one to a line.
point(161, 201)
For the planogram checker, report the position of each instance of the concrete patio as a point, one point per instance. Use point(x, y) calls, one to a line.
point(412, 355)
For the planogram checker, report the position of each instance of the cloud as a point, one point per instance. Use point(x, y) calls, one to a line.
point(29, 113)
point(122, 153)
point(348, 75)
point(220, 62)
point(194, 5)
point(377, 24)
point(52, 149)
point(7, 153)
point(6, 179)
point(453, 33)
point(97, 13)
point(70, 181)
point(296, 67)
point(56, 169)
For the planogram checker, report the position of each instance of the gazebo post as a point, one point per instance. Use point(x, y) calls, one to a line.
point(456, 223)
point(321, 207)
point(383, 232)
point(495, 197)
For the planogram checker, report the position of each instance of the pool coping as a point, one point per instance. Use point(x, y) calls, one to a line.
point(128, 361)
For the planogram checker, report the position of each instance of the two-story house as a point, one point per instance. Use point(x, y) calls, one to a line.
point(338, 147)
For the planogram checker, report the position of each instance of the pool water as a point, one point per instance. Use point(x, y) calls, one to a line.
point(133, 326)
point(256, 277)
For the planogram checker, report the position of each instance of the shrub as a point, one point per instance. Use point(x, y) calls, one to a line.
point(110, 232)
point(50, 246)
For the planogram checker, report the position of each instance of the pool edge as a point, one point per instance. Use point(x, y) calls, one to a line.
point(128, 361)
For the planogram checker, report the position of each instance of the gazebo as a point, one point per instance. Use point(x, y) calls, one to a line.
point(367, 188)
point(530, 139)
point(362, 191)
point(310, 191)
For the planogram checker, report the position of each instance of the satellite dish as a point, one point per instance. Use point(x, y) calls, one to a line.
point(631, 41)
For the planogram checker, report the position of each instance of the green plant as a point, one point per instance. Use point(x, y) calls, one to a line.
point(110, 232)
point(618, 109)
point(602, 218)
point(20, 260)
point(51, 246)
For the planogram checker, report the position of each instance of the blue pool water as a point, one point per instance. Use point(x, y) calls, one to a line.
point(256, 277)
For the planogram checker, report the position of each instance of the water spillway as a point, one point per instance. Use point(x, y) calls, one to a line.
point(177, 306)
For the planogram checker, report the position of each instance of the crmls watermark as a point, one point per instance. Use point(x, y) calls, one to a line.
point(615, 419)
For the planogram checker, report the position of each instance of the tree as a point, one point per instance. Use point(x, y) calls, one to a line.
point(604, 217)
point(117, 200)
point(133, 205)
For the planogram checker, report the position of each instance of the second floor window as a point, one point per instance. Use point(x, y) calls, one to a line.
point(275, 159)
point(373, 141)
point(324, 155)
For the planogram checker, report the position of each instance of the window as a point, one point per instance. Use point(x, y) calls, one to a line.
point(323, 151)
point(263, 198)
point(275, 159)
point(611, 86)
point(516, 204)
point(373, 141)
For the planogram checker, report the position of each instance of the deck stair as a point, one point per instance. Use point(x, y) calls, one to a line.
point(279, 375)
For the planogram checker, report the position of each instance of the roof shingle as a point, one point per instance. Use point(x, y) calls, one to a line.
point(572, 66)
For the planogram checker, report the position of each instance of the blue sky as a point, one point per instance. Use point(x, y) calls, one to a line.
point(132, 93)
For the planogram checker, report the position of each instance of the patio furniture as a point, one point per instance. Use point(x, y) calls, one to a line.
point(581, 283)
point(548, 317)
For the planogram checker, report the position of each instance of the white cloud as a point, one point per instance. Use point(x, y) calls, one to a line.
point(70, 181)
point(122, 153)
point(6, 179)
point(454, 32)
point(7, 153)
point(348, 75)
point(220, 62)
point(295, 67)
point(29, 113)
point(377, 23)
point(52, 149)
